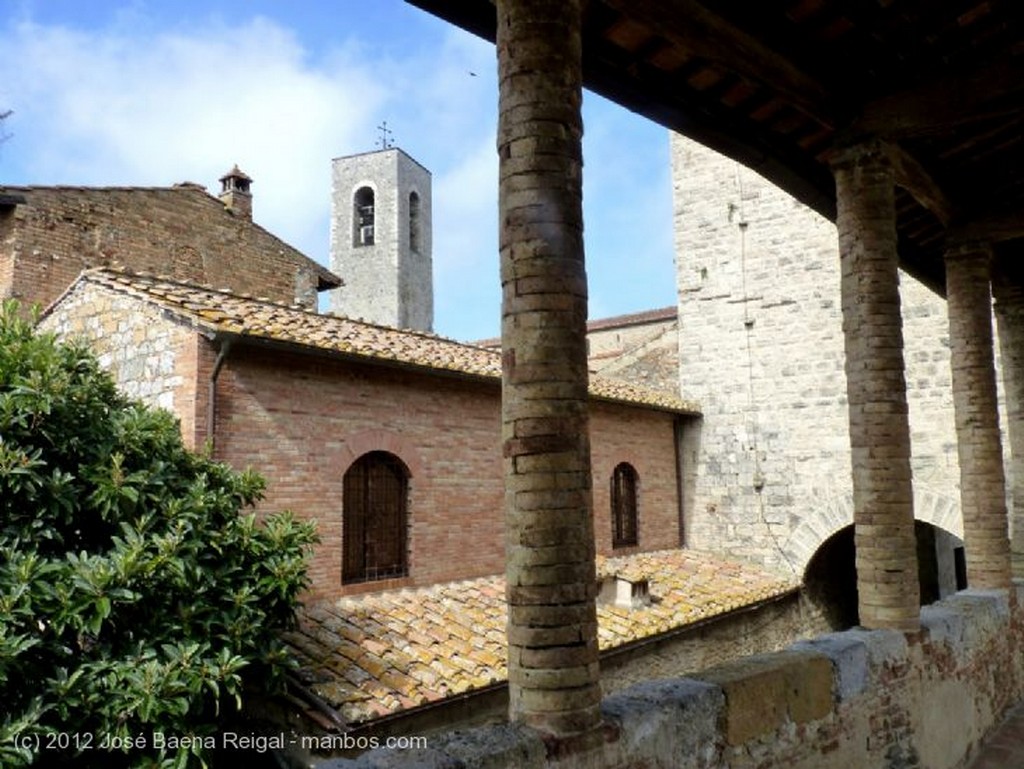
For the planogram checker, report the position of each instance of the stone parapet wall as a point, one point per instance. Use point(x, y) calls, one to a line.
point(857, 699)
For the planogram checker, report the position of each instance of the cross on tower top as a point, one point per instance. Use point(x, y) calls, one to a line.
point(384, 142)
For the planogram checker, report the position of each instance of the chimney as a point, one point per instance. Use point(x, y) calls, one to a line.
point(234, 192)
point(624, 592)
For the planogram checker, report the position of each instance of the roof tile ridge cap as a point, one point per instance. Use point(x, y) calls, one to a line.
point(428, 335)
point(634, 318)
point(265, 301)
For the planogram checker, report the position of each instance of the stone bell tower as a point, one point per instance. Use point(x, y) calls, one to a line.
point(381, 239)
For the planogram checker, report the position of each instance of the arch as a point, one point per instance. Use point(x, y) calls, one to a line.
point(363, 217)
point(375, 518)
point(830, 578)
point(365, 441)
point(415, 223)
point(836, 512)
point(624, 496)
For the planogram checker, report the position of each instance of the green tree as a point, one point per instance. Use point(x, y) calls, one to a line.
point(135, 594)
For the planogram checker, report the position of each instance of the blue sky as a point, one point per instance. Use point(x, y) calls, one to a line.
point(150, 92)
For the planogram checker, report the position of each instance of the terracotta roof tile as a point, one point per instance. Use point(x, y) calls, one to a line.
point(422, 645)
point(220, 312)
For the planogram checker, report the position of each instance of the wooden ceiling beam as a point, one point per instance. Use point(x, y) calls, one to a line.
point(689, 25)
point(915, 179)
point(992, 90)
point(994, 227)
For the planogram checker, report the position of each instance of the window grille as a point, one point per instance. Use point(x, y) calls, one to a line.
point(375, 519)
point(624, 506)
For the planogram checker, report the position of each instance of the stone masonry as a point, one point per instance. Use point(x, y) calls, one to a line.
point(983, 485)
point(761, 348)
point(388, 276)
point(1009, 310)
point(552, 630)
point(859, 699)
point(883, 502)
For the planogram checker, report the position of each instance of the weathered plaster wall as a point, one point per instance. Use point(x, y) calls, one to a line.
point(761, 349)
point(857, 699)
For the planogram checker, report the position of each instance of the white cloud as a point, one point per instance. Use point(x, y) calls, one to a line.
point(110, 108)
point(137, 103)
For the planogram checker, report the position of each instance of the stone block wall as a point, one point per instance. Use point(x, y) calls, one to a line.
point(859, 699)
point(150, 357)
point(761, 349)
point(386, 282)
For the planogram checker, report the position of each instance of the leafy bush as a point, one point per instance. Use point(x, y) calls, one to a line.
point(134, 595)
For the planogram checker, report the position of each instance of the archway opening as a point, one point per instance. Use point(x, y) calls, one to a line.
point(830, 579)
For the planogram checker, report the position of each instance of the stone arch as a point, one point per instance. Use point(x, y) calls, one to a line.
point(836, 512)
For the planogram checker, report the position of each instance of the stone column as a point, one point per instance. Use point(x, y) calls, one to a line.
point(1010, 322)
point(975, 404)
point(552, 631)
point(883, 500)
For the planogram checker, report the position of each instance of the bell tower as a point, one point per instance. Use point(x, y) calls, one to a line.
point(381, 239)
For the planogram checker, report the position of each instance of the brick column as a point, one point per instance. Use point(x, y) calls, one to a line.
point(1010, 322)
point(552, 631)
point(883, 500)
point(975, 404)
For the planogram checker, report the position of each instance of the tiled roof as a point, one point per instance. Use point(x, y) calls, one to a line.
point(616, 321)
point(383, 653)
point(222, 312)
point(634, 318)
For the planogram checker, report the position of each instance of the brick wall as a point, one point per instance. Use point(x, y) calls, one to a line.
point(180, 231)
point(761, 349)
point(301, 421)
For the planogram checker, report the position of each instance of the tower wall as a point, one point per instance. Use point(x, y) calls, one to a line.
point(388, 281)
point(761, 349)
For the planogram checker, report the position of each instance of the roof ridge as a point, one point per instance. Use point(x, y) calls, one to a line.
point(222, 311)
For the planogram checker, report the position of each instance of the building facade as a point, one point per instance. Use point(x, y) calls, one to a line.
point(389, 439)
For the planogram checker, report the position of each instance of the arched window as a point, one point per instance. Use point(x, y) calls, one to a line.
point(362, 217)
point(414, 222)
point(375, 518)
point(624, 506)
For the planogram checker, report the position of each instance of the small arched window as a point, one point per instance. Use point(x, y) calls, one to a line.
point(375, 515)
point(414, 222)
point(363, 217)
point(624, 506)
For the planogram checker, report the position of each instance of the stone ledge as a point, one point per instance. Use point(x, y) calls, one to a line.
point(764, 692)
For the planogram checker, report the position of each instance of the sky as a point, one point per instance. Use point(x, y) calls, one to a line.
point(155, 92)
